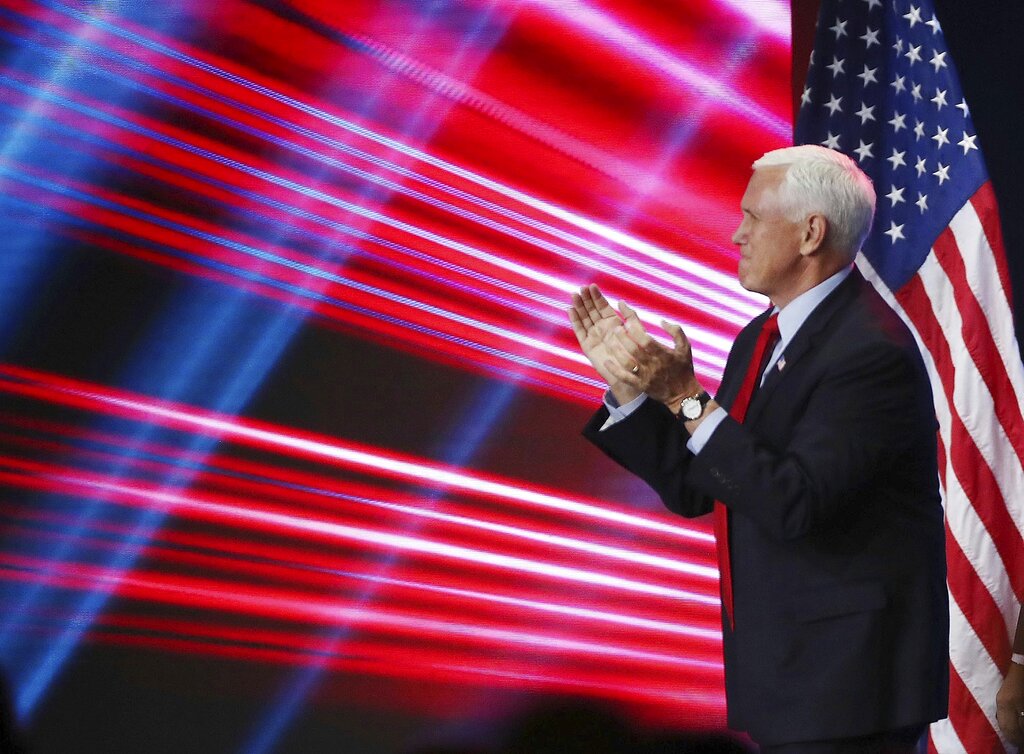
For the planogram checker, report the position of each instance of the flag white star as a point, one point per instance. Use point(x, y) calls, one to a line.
point(833, 104)
point(865, 113)
point(898, 46)
point(915, 92)
point(913, 54)
point(868, 77)
point(805, 98)
point(940, 98)
point(934, 23)
point(873, 4)
point(839, 28)
point(919, 129)
point(896, 159)
point(899, 120)
point(967, 142)
point(922, 202)
point(870, 37)
point(921, 166)
point(898, 85)
point(914, 17)
point(895, 196)
point(832, 142)
point(836, 67)
point(895, 232)
point(864, 151)
point(938, 60)
point(940, 137)
point(963, 107)
point(942, 173)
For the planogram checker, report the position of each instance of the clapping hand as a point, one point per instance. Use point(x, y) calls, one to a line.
point(595, 323)
point(626, 356)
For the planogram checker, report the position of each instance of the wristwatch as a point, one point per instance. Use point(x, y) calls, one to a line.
point(692, 407)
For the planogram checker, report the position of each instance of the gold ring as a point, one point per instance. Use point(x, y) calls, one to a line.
point(636, 370)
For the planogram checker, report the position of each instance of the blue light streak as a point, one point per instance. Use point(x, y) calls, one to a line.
point(710, 296)
point(726, 283)
point(715, 346)
point(306, 292)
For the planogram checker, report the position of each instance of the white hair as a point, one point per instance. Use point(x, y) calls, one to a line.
point(820, 180)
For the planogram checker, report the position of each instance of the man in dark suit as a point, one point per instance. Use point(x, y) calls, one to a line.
point(820, 450)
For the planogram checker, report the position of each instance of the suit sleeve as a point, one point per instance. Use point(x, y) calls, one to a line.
point(651, 444)
point(869, 413)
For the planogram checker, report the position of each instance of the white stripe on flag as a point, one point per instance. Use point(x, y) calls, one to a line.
point(945, 738)
point(983, 279)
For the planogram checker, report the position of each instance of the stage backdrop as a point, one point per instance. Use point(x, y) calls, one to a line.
point(289, 406)
point(289, 411)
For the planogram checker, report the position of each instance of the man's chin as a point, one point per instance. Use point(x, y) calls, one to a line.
point(745, 280)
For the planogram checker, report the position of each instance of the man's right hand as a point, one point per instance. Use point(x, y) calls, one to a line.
point(593, 318)
point(1010, 705)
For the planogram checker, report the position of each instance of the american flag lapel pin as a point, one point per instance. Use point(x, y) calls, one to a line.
point(781, 364)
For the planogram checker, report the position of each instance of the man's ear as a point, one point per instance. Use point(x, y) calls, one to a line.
point(813, 235)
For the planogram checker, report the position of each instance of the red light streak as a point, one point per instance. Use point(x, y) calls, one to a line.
point(288, 605)
point(475, 530)
point(681, 286)
point(438, 589)
point(459, 241)
point(347, 574)
point(320, 494)
point(453, 635)
point(275, 522)
point(64, 391)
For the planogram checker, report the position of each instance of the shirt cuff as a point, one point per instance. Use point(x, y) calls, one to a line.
point(617, 413)
point(703, 433)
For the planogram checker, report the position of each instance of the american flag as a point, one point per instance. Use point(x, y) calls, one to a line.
point(882, 88)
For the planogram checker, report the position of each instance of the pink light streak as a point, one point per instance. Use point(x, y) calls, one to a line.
point(247, 432)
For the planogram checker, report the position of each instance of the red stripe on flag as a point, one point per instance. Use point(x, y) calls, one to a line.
point(972, 727)
point(967, 590)
point(987, 210)
point(915, 302)
point(976, 602)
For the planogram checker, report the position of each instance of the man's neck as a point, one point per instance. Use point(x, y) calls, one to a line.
point(813, 276)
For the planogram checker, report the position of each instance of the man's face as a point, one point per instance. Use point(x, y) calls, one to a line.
point(769, 242)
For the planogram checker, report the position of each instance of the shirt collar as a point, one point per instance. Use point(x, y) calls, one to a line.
point(796, 312)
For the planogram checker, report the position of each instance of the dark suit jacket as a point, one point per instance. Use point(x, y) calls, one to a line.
point(836, 526)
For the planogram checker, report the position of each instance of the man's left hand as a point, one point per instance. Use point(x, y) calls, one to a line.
point(642, 362)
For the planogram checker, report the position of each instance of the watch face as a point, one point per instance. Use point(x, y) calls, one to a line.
point(691, 408)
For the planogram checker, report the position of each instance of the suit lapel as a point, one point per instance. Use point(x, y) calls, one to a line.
point(812, 330)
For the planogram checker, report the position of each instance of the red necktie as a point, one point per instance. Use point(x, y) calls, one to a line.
point(764, 346)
